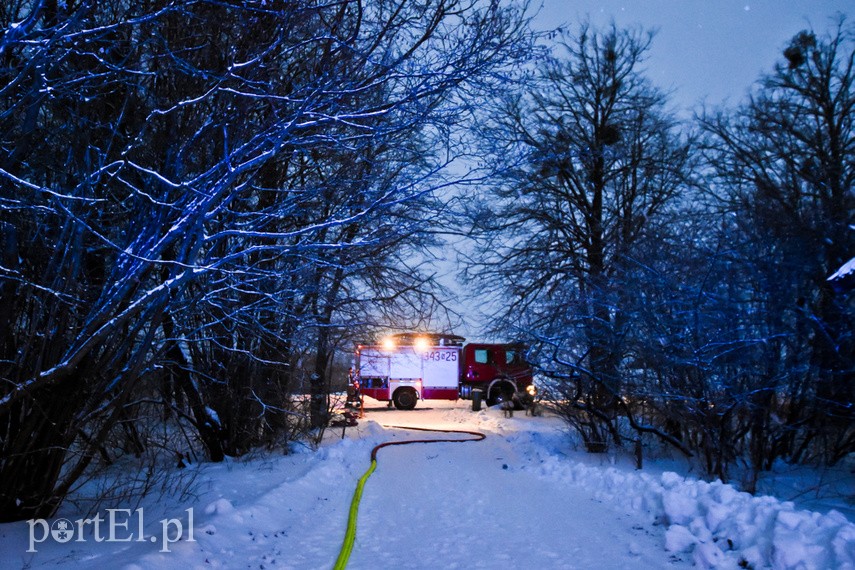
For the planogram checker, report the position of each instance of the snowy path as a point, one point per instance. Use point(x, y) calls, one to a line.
point(522, 498)
point(480, 505)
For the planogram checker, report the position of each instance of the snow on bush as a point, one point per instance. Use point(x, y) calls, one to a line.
point(218, 507)
point(719, 525)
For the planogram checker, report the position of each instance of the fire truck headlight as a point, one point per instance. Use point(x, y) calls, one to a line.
point(531, 390)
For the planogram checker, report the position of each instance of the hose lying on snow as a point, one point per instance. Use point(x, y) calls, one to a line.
point(350, 533)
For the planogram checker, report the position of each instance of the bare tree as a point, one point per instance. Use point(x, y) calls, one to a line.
point(784, 172)
point(176, 210)
point(598, 161)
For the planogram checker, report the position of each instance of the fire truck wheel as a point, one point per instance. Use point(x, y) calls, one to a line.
point(405, 398)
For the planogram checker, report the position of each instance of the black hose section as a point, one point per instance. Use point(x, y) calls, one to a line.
point(477, 436)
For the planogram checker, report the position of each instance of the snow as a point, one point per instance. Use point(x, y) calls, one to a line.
point(846, 269)
point(523, 497)
point(212, 414)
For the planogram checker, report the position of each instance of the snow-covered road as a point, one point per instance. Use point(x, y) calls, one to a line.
point(521, 498)
point(483, 505)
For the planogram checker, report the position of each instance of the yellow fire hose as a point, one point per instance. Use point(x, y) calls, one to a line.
point(350, 533)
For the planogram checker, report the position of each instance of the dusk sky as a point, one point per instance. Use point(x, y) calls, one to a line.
point(711, 50)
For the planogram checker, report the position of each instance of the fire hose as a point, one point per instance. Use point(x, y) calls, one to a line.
point(350, 533)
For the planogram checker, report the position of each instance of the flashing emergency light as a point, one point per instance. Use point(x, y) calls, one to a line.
point(421, 344)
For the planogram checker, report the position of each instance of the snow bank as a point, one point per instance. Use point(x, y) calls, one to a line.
point(714, 524)
point(718, 525)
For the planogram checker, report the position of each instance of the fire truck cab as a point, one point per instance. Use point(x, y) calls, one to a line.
point(407, 367)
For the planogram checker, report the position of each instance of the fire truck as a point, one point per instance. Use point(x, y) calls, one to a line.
point(407, 367)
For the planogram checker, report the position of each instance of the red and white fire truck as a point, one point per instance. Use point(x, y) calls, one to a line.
point(407, 367)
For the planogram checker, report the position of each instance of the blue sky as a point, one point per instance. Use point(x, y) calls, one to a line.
point(711, 50)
